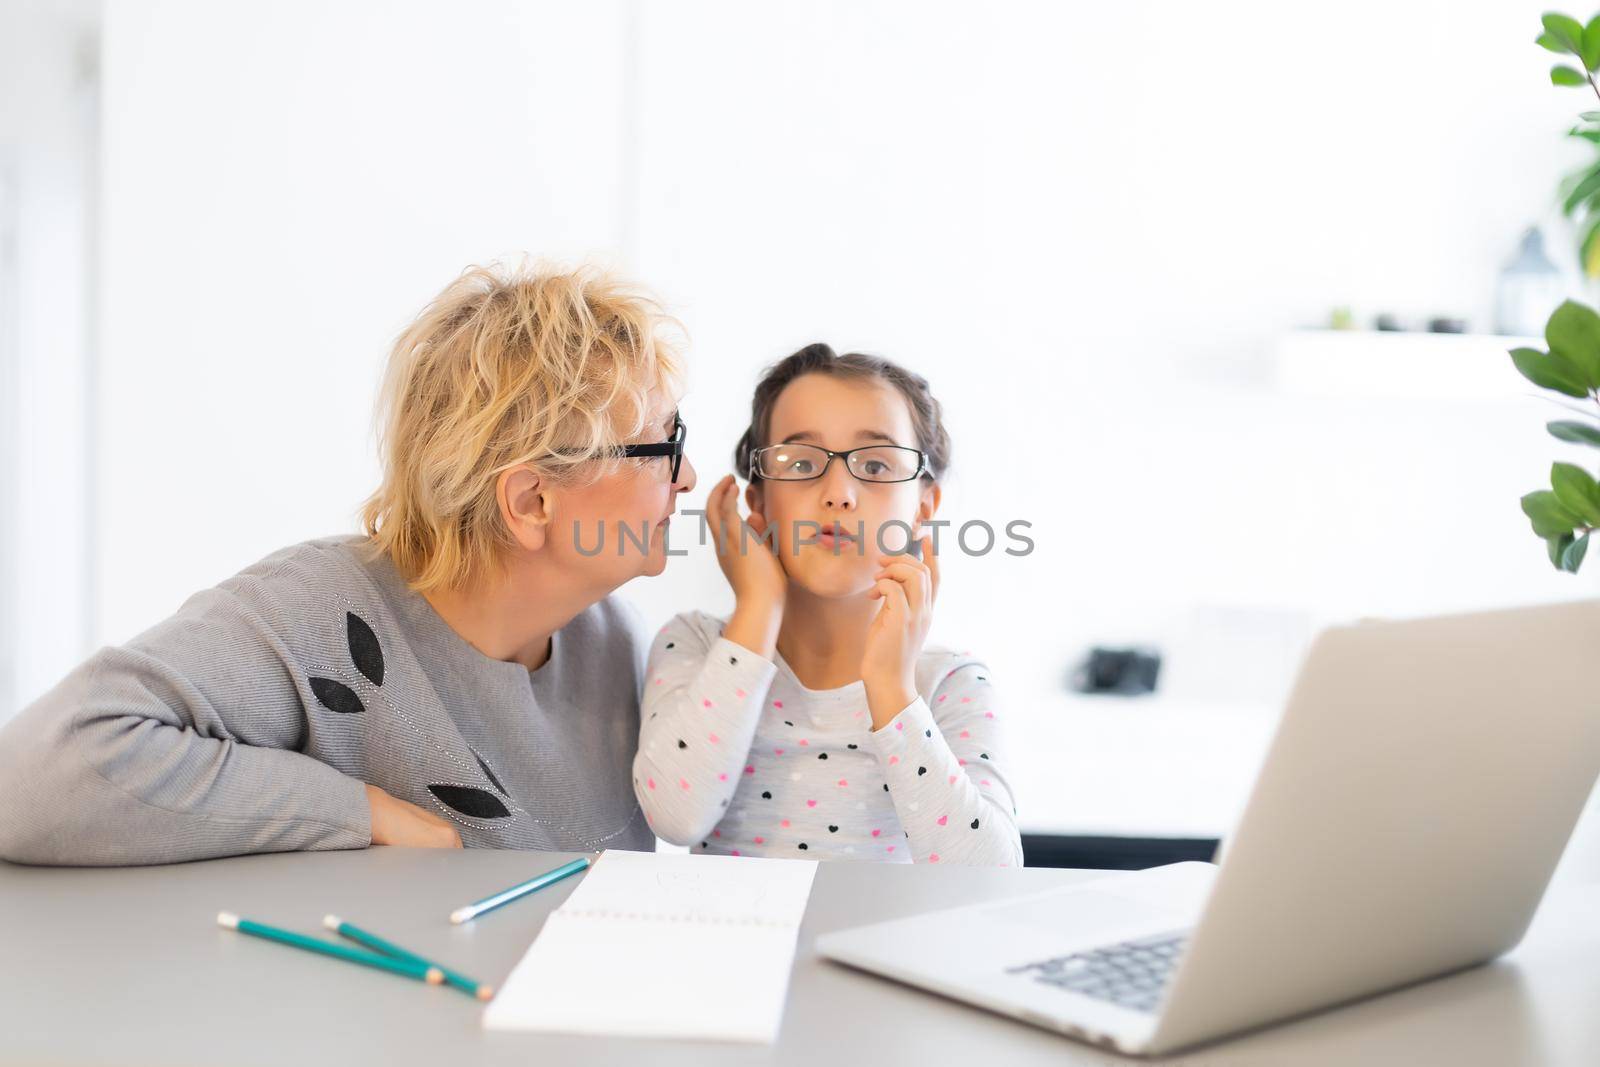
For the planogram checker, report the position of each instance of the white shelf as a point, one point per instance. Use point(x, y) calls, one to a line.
point(1369, 364)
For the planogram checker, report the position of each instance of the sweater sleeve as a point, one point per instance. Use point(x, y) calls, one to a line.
point(178, 746)
point(945, 773)
point(703, 696)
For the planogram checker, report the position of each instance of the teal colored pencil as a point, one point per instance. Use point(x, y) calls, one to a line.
point(389, 948)
point(516, 892)
point(422, 972)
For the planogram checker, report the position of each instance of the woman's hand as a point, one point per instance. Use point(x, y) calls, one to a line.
point(395, 822)
point(751, 565)
point(908, 587)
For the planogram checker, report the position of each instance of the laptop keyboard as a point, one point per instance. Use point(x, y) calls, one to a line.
point(1130, 974)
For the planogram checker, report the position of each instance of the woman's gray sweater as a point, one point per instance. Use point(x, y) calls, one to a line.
point(251, 719)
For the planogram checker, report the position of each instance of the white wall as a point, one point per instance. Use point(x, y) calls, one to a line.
point(284, 187)
point(1088, 227)
point(47, 135)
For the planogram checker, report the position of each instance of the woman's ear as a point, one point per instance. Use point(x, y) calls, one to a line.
point(527, 506)
point(755, 499)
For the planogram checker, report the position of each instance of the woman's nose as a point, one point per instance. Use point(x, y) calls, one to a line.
point(686, 476)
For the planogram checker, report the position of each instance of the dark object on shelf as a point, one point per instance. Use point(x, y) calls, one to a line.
point(1117, 670)
point(1113, 853)
point(1447, 325)
point(1387, 323)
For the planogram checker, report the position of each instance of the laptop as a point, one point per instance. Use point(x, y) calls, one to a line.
point(1416, 796)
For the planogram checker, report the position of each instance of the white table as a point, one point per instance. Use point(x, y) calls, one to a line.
point(127, 966)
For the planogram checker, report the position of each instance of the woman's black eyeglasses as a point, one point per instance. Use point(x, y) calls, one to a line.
point(673, 447)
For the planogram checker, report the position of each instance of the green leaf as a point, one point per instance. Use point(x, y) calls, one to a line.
point(1587, 135)
point(1589, 250)
point(1549, 517)
point(1590, 116)
point(1573, 333)
point(1557, 547)
point(1591, 43)
point(1572, 555)
point(1584, 189)
point(1564, 28)
point(1551, 42)
point(1577, 491)
point(1578, 433)
point(1549, 371)
point(1566, 76)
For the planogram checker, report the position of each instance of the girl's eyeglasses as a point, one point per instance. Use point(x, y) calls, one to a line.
point(672, 448)
point(802, 463)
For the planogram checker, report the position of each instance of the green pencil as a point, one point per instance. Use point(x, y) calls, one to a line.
point(420, 971)
point(389, 948)
point(517, 892)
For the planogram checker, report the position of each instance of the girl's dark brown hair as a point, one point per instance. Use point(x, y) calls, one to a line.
point(927, 418)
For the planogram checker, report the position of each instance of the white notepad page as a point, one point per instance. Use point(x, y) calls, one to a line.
point(664, 945)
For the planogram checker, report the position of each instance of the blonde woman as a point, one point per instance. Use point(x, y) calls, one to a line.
point(459, 674)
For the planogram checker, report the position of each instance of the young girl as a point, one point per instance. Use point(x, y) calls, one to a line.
point(812, 722)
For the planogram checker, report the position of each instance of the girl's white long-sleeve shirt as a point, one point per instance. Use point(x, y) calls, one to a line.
point(736, 757)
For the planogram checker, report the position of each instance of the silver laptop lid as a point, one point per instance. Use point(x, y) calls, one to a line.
point(1413, 804)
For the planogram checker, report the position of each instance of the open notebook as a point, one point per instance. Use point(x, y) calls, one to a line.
point(663, 945)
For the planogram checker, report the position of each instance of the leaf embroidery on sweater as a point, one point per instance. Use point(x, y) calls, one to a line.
point(476, 803)
point(336, 696)
point(365, 652)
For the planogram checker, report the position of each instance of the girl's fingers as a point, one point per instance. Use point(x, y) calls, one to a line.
point(894, 597)
point(930, 558)
point(895, 600)
point(914, 580)
point(713, 515)
point(723, 511)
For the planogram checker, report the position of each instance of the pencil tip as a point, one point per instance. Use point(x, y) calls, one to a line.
point(331, 922)
point(228, 919)
point(459, 916)
point(485, 992)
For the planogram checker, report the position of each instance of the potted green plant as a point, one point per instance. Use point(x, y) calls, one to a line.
point(1565, 514)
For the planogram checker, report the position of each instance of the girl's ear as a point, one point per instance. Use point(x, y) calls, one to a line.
point(755, 499)
point(929, 504)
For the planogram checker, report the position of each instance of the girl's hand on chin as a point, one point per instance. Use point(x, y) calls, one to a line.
point(908, 587)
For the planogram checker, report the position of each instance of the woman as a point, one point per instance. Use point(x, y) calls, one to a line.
point(459, 675)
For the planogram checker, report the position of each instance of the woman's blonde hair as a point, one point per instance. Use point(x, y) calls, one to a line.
point(510, 365)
